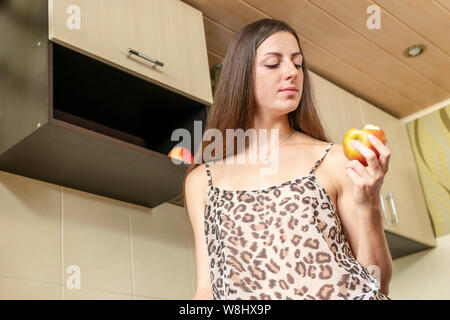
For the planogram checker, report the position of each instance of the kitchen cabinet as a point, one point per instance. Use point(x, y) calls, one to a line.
point(170, 32)
point(75, 117)
point(338, 110)
point(403, 195)
point(405, 217)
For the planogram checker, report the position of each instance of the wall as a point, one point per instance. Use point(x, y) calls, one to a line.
point(123, 251)
point(430, 140)
point(126, 251)
point(424, 275)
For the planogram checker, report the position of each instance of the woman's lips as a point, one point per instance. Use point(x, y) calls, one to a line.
point(289, 91)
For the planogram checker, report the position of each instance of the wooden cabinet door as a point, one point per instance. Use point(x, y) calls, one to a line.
point(169, 31)
point(402, 191)
point(338, 110)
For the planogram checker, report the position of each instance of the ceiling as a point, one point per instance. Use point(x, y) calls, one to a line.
point(338, 45)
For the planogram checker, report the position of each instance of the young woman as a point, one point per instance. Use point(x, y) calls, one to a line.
point(305, 232)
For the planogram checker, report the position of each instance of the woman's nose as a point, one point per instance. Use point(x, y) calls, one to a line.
point(292, 70)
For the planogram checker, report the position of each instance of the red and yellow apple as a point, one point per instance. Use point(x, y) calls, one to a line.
point(362, 136)
point(181, 153)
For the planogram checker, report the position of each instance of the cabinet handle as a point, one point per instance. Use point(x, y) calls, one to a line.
point(383, 207)
point(394, 209)
point(143, 56)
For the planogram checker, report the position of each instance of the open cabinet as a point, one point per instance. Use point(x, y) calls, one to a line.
point(76, 120)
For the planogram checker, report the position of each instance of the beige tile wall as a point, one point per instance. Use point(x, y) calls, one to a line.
point(424, 275)
point(126, 251)
point(123, 251)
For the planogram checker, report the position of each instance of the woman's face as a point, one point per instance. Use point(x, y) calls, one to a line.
point(277, 66)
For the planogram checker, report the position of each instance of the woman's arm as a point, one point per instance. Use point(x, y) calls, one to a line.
point(359, 208)
point(195, 190)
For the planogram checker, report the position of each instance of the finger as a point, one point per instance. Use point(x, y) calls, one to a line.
point(359, 169)
point(357, 180)
point(385, 153)
point(380, 146)
point(367, 179)
point(374, 166)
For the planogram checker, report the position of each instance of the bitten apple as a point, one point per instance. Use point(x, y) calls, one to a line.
point(363, 137)
point(182, 154)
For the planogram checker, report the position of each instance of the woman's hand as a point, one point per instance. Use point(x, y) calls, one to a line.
point(367, 181)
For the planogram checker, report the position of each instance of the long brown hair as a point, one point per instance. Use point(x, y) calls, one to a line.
point(234, 106)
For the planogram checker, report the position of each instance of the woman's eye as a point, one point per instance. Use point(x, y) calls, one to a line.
point(276, 65)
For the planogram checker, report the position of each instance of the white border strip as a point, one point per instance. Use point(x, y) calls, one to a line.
point(425, 111)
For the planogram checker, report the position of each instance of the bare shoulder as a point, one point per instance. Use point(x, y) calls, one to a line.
point(336, 152)
point(336, 167)
point(199, 173)
point(196, 184)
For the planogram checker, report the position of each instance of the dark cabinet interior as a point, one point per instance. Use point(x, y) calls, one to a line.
point(104, 99)
point(400, 246)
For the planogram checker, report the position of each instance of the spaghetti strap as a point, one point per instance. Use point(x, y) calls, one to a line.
point(320, 160)
point(208, 173)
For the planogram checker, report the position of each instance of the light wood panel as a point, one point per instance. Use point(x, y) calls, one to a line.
point(393, 37)
point(321, 61)
point(338, 110)
point(233, 14)
point(213, 59)
point(423, 16)
point(217, 37)
point(332, 35)
point(444, 3)
point(369, 65)
point(402, 179)
point(332, 68)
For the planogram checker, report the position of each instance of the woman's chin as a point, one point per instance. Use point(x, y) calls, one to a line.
point(285, 110)
point(281, 108)
point(289, 107)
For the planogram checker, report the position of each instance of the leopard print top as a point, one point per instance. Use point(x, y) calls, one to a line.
point(282, 242)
